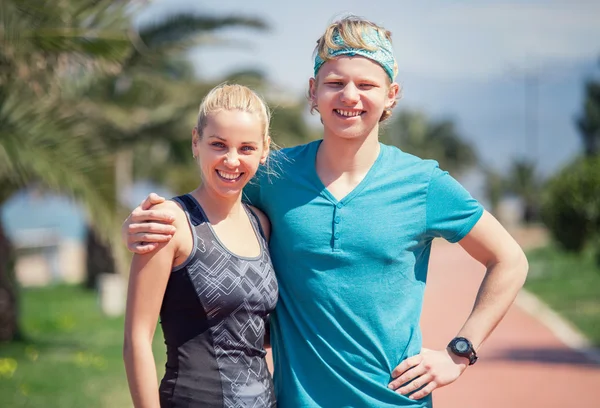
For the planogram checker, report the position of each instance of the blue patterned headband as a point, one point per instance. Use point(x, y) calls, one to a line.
point(383, 54)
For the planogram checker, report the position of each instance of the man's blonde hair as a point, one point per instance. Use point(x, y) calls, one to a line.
point(354, 32)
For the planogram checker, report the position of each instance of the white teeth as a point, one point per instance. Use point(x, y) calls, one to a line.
point(348, 113)
point(228, 176)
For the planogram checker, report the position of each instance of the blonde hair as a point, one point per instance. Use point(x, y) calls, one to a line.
point(351, 29)
point(234, 97)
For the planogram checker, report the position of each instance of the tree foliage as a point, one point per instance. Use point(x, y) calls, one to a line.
point(524, 182)
point(571, 204)
point(589, 121)
point(416, 134)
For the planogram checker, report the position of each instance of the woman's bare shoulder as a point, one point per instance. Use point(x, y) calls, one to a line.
point(264, 221)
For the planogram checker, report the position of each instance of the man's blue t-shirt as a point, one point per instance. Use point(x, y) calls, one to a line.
point(352, 272)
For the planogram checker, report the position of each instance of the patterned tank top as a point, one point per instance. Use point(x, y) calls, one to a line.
point(213, 317)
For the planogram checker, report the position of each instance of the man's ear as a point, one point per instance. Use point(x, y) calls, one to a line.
point(393, 92)
point(312, 92)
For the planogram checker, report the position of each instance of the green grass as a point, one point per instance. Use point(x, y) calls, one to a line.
point(569, 284)
point(72, 355)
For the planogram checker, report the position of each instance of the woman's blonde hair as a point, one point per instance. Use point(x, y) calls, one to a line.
point(234, 97)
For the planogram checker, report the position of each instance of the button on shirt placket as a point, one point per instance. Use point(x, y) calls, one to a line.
point(337, 220)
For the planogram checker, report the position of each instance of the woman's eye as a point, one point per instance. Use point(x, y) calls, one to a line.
point(248, 148)
point(218, 144)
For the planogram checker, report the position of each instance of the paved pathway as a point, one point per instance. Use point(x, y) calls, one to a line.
point(522, 364)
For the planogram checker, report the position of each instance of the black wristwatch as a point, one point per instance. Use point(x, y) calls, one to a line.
point(463, 348)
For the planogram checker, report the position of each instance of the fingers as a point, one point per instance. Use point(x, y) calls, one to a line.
point(140, 215)
point(418, 382)
point(407, 364)
point(406, 377)
point(151, 200)
point(419, 375)
point(142, 248)
point(425, 391)
point(150, 228)
point(144, 238)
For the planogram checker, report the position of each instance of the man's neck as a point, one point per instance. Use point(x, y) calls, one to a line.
point(342, 164)
point(347, 156)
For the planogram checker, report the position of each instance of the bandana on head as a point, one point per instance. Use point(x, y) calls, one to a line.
point(383, 54)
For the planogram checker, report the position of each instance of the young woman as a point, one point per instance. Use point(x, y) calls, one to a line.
point(213, 283)
point(353, 222)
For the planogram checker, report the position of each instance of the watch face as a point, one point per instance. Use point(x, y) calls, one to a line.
point(461, 346)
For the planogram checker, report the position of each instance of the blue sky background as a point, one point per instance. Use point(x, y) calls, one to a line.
point(464, 60)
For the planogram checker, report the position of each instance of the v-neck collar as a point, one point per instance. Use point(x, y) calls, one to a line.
point(359, 187)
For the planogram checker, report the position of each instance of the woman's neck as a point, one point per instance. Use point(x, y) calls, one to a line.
point(216, 207)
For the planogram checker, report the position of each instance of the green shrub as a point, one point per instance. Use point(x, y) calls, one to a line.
point(571, 204)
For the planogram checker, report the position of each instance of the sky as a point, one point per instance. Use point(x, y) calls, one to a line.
point(463, 60)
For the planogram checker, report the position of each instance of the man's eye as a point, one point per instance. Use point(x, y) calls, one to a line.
point(334, 83)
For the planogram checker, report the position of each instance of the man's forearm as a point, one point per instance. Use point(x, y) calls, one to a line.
point(497, 292)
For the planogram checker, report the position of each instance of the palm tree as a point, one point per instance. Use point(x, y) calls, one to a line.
point(40, 146)
point(41, 142)
point(589, 121)
point(52, 54)
point(495, 188)
point(524, 182)
point(416, 134)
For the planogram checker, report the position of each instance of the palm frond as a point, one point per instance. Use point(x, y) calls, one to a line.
point(111, 45)
point(431, 139)
point(43, 146)
point(182, 26)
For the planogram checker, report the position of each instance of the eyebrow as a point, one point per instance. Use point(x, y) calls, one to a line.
point(215, 136)
point(336, 77)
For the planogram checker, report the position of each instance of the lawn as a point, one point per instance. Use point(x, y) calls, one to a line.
point(569, 284)
point(72, 356)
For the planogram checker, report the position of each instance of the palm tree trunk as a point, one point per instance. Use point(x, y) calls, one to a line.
point(99, 258)
point(123, 174)
point(9, 311)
